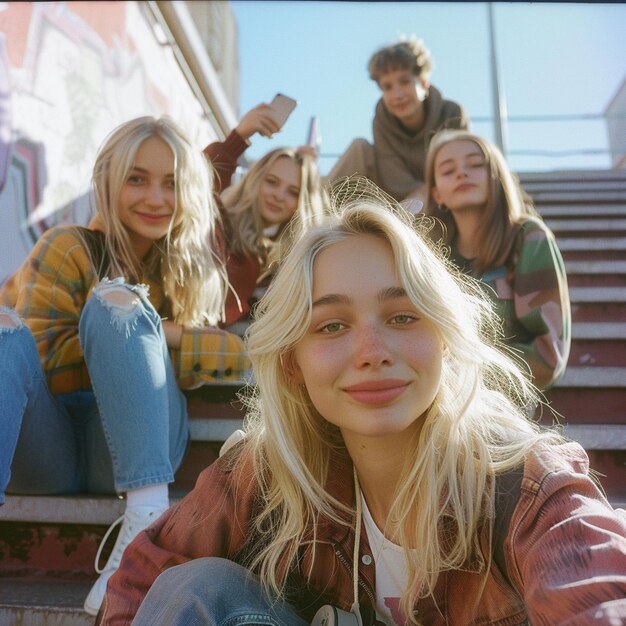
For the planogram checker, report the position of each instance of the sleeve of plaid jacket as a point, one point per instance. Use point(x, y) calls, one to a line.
point(49, 292)
point(541, 302)
point(209, 355)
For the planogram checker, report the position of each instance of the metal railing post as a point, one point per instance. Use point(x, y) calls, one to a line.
point(499, 101)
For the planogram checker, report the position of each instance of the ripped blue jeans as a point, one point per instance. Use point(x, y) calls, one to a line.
point(130, 430)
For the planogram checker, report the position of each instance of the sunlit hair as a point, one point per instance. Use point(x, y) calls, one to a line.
point(475, 428)
point(407, 54)
point(185, 259)
point(507, 207)
point(242, 202)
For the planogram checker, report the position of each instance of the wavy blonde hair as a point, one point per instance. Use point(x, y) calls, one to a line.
point(476, 427)
point(242, 200)
point(507, 207)
point(185, 259)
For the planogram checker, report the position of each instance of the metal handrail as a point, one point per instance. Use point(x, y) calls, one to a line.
point(559, 117)
point(578, 117)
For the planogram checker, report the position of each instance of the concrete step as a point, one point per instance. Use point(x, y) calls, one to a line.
point(595, 268)
point(576, 211)
point(597, 436)
point(596, 273)
point(587, 196)
point(582, 248)
point(597, 311)
point(581, 279)
point(574, 188)
point(63, 509)
point(557, 177)
point(57, 537)
point(43, 602)
point(598, 304)
point(574, 185)
point(601, 187)
point(603, 295)
point(586, 225)
point(598, 254)
point(601, 344)
point(599, 227)
point(576, 404)
point(595, 353)
point(594, 377)
point(587, 390)
point(596, 243)
point(602, 331)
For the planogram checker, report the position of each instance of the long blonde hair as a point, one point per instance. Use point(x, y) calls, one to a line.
point(507, 207)
point(241, 201)
point(475, 428)
point(185, 260)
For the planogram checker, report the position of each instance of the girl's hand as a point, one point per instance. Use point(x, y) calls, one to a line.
point(258, 120)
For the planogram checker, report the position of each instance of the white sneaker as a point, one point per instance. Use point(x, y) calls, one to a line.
point(133, 522)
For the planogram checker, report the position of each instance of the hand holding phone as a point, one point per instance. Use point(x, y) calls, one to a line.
point(282, 106)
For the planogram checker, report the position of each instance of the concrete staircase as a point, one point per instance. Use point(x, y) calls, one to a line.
point(48, 544)
point(587, 213)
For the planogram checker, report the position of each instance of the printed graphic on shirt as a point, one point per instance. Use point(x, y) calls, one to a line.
point(393, 604)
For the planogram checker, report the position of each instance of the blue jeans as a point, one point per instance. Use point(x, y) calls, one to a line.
point(212, 592)
point(130, 430)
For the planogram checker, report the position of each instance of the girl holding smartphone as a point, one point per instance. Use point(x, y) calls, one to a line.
point(259, 210)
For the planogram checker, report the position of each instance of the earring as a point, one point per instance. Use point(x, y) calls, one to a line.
point(442, 207)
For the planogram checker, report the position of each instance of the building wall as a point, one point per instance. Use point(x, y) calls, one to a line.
point(69, 74)
point(217, 28)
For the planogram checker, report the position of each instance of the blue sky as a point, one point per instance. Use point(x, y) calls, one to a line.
point(555, 59)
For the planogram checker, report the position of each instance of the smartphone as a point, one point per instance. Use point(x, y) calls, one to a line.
point(283, 106)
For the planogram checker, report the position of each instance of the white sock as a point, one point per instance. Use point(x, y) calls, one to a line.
point(152, 497)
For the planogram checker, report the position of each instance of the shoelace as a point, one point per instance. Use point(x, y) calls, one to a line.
point(104, 540)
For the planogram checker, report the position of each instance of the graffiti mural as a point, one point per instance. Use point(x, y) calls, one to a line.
point(69, 73)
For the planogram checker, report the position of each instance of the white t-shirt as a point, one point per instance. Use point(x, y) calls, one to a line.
point(391, 572)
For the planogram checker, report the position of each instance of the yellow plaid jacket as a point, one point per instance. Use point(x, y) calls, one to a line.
point(49, 292)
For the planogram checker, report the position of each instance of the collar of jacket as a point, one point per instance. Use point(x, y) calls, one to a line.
point(432, 112)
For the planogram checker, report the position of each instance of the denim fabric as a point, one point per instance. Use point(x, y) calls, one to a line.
point(211, 592)
point(26, 402)
point(129, 431)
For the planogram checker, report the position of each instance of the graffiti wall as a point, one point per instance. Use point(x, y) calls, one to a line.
point(69, 73)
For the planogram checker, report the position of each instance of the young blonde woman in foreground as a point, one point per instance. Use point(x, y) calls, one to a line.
point(388, 468)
